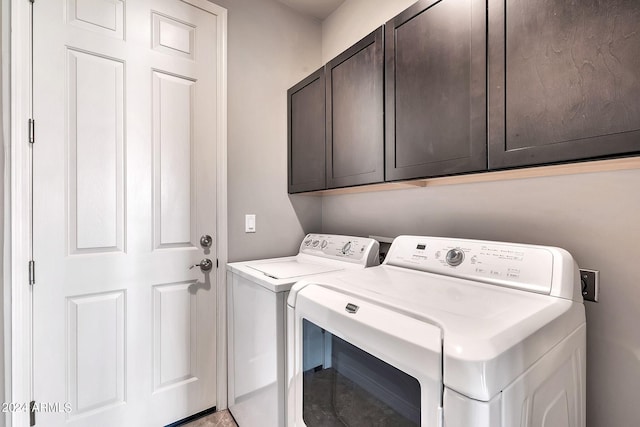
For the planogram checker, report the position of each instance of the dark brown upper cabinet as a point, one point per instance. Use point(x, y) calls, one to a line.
point(435, 55)
point(355, 114)
point(306, 137)
point(564, 80)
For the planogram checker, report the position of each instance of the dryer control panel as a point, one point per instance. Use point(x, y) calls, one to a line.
point(525, 267)
point(359, 250)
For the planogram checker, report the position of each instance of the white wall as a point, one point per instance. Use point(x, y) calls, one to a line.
point(270, 49)
point(594, 216)
point(353, 20)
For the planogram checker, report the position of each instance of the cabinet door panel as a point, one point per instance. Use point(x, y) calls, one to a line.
point(436, 89)
point(306, 135)
point(564, 80)
point(355, 114)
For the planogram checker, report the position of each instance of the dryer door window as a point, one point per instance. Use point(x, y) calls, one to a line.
point(344, 385)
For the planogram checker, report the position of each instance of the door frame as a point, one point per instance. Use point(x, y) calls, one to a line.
point(18, 214)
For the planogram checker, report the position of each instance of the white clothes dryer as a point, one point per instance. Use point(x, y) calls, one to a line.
point(256, 304)
point(446, 332)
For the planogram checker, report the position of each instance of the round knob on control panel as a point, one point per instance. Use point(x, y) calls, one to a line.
point(455, 257)
point(307, 242)
point(315, 243)
point(346, 248)
point(324, 244)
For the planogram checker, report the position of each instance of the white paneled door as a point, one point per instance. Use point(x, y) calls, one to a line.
point(124, 188)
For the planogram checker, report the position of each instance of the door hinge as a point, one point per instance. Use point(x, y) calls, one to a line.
point(32, 131)
point(32, 272)
point(32, 413)
point(217, 264)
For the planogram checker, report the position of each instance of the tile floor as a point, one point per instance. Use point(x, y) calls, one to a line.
point(217, 419)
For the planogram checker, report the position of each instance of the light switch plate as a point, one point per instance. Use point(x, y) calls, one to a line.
point(250, 223)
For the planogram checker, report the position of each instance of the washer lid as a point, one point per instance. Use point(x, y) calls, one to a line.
point(293, 268)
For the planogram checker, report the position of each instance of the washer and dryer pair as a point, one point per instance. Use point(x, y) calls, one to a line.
point(446, 332)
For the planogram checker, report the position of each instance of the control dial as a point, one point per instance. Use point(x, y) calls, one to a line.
point(346, 247)
point(455, 257)
point(324, 244)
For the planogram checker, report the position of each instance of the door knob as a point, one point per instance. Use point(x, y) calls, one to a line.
point(206, 241)
point(205, 265)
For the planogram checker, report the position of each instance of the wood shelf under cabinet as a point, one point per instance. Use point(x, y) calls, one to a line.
point(609, 165)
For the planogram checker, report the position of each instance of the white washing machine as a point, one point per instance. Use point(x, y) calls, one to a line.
point(446, 332)
point(256, 296)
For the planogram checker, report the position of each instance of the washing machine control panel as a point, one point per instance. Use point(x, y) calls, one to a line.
point(347, 248)
point(521, 266)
